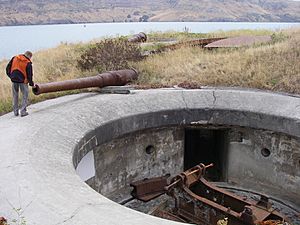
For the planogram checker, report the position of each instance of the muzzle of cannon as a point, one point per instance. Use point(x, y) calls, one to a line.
point(111, 78)
point(140, 37)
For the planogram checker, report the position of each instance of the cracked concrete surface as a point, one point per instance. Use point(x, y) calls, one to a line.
point(37, 164)
point(215, 98)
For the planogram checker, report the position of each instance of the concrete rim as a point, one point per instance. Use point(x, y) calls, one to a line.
point(40, 150)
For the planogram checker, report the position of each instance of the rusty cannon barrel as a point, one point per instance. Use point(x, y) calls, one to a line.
point(110, 78)
point(140, 37)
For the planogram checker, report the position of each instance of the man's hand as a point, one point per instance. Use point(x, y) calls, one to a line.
point(33, 88)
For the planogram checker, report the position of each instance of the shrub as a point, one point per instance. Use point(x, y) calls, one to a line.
point(278, 37)
point(109, 54)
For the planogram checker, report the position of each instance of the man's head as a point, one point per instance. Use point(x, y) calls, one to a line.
point(28, 54)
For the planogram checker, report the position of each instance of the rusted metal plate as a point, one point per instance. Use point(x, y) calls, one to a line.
point(148, 189)
point(239, 41)
point(198, 42)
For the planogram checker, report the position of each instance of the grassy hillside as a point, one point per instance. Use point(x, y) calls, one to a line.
point(71, 11)
point(273, 66)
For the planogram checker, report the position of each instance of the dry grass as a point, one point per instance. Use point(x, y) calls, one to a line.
point(233, 33)
point(274, 67)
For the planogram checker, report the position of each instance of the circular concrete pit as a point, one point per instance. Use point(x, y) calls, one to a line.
point(252, 137)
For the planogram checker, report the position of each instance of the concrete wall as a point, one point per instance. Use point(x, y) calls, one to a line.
point(277, 174)
point(124, 160)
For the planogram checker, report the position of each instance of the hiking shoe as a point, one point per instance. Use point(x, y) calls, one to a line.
point(16, 114)
point(24, 114)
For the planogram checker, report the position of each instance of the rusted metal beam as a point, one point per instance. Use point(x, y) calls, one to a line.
point(140, 37)
point(148, 189)
point(111, 78)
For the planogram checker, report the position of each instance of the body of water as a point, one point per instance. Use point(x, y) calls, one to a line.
point(18, 39)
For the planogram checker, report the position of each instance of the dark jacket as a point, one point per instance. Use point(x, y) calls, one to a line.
point(19, 70)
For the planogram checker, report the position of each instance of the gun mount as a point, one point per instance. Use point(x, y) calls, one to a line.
point(198, 201)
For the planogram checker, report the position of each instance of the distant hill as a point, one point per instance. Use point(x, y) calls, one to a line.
point(13, 12)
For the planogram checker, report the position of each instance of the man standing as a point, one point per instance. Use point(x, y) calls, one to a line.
point(19, 70)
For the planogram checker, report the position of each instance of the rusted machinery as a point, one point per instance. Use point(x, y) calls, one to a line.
point(198, 201)
point(111, 78)
point(140, 37)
